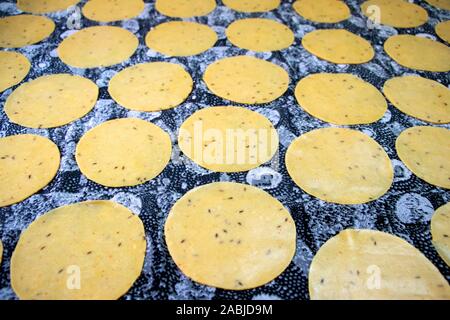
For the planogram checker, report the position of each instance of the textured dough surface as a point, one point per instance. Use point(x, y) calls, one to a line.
point(252, 5)
point(181, 38)
point(441, 4)
point(112, 10)
point(98, 46)
point(343, 99)
point(203, 138)
point(185, 8)
point(339, 165)
point(27, 164)
point(23, 30)
point(396, 13)
point(418, 53)
point(440, 231)
point(45, 6)
point(246, 79)
point(259, 34)
point(373, 265)
point(151, 86)
point(443, 30)
point(419, 97)
point(425, 151)
point(230, 235)
point(51, 101)
point(123, 152)
point(14, 67)
point(102, 242)
point(323, 11)
point(338, 46)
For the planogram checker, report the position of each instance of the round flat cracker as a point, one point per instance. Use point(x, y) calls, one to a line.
point(45, 6)
point(441, 4)
point(322, 11)
point(418, 53)
point(27, 164)
point(112, 10)
point(252, 6)
point(230, 235)
point(440, 231)
point(425, 151)
point(395, 13)
point(185, 8)
point(123, 152)
point(368, 264)
point(98, 46)
point(338, 46)
point(51, 101)
point(339, 165)
point(228, 139)
point(181, 38)
point(24, 30)
point(259, 34)
point(87, 250)
point(343, 99)
point(14, 67)
point(151, 86)
point(418, 97)
point(246, 79)
point(443, 30)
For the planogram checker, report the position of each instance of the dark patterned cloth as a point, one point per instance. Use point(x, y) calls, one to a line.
point(405, 210)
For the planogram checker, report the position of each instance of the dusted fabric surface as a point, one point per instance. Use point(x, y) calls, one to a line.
point(405, 210)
